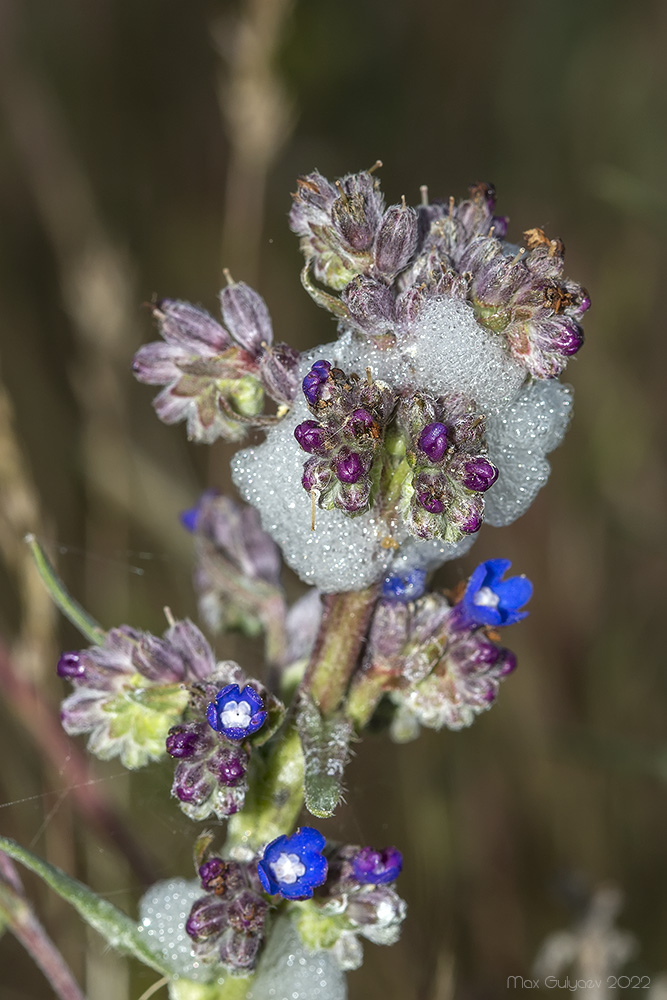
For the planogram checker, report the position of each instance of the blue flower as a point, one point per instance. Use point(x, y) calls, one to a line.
point(235, 713)
point(404, 587)
point(293, 866)
point(377, 867)
point(490, 600)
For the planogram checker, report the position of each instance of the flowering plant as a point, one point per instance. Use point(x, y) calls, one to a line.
point(386, 450)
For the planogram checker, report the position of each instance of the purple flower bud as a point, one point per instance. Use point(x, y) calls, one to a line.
point(188, 326)
point(317, 475)
point(360, 421)
point(70, 665)
point(187, 741)
point(350, 468)
point(356, 213)
point(239, 951)
point(567, 338)
point(433, 441)
point(430, 501)
point(245, 313)
point(248, 912)
point(213, 875)
point(371, 305)
point(471, 523)
point(228, 766)
point(479, 474)
point(310, 436)
point(207, 919)
point(279, 372)
point(396, 240)
point(507, 662)
point(192, 784)
point(317, 375)
point(377, 867)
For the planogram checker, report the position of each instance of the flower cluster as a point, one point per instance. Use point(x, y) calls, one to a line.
point(215, 377)
point(440, 664)
point(345, 441)
point(443, 498)
point(227, 924)
point(211, 744)
point(403, 259)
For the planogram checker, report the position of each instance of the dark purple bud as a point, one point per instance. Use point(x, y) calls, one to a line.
point(507, 662)
point(245, 313)
point(396, 240)
point(248, 912)
point(430, 503)
point(191, 783)
point(310, 436)
point(228, 765)
point(279, 372)
point(240, 950)
point(186, 741)
point(207, 919)
point(471, 523)
point(567, 339)
point(317, 475)
point(70, 665)
point(479, 474)
point(433, 441)
point(317, 375)
point(188, 326)
point(349, 468)
point(371, 305)
point(213, 875)
point(360, 422)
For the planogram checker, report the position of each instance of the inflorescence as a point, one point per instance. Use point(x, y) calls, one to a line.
point(386, 451)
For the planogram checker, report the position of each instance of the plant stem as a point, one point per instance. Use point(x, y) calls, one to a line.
point(336, 653)
point(81, 620)
point(275, 798)
point(24, 925)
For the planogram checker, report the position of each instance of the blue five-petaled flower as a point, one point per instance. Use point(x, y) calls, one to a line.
point(490, 600)
point(235, 713)
point(293, 866)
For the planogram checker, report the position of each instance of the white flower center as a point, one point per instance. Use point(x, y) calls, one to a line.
point(235, 715)
point(288, 868)
point(486, 598)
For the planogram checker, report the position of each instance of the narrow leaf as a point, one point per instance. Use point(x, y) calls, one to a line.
point(326, 749)
point(81, 620)
point(115, 926)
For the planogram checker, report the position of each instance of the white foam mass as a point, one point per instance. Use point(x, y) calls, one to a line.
point(446, 351)
point(163, 911)
point(518, 440)
point(286, 971)
point(451, 352)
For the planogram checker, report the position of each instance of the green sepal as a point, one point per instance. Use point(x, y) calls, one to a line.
point(119, 930)
point(326, 749)
point(140, 717)
point(318, 929)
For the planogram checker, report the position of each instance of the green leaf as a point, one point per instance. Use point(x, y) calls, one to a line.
point(326, 749)
point(115, 926)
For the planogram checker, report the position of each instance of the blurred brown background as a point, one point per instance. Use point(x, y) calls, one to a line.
point(144, 146)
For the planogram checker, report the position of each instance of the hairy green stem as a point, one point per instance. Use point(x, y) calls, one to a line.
point(336, 654)
point(275, 797)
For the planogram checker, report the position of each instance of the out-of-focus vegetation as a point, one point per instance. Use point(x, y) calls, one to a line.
point(142, 151)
